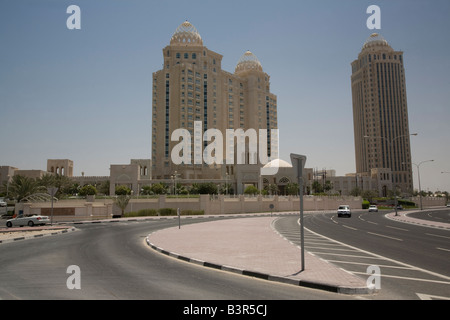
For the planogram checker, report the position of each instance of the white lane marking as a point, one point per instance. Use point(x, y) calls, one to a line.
point(382, 235)
point(436, 235)
point(397, 228)
point(380, 256)
point(409, 278)
point(424, 296)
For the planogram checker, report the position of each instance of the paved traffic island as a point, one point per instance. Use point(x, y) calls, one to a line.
point(254, 248)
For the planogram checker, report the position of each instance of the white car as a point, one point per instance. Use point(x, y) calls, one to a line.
point(3, 203)
point(21, 221)
point(344, 210)
point(373, 208)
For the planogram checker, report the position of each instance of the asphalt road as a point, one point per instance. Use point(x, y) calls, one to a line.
point(116, 263)
point(414, 261)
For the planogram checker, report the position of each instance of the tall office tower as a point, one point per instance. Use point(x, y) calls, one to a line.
point(192, 92)
point(380, 113)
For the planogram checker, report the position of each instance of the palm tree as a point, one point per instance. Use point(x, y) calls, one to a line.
point(122, 202)
point(21, 187)
point(47, 180)
point(317, 187)
point(63, 183)
point(292, 188)
point(273, 189)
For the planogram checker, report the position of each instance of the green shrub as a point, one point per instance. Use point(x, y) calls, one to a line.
point(163, 212)
point(192, 212)
point(406, 203)
point(365, 204)
point(147, 212)
point(251, 190)
point(123, 191)
point(130, 214)
point(167, 212)
point(88, 190)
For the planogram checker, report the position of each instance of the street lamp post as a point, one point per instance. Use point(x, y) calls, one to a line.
point(174, 179)
point(131, 200)
point(52, 191)
point(390, 142)
point(173, 183)
point(226, 184)
point(418, 175)
point(447, 193)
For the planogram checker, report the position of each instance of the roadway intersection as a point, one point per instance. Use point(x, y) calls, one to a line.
point(413, 260)
point(117, 264)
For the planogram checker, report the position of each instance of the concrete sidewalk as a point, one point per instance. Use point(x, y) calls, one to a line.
point(253, 247)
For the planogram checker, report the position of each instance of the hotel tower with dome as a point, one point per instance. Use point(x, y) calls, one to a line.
point(193, 92)
point(380, 115)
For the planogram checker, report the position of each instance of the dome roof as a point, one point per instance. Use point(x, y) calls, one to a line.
point(248, 61)
point(186, 34)
point(278, 163)
point(375, 39)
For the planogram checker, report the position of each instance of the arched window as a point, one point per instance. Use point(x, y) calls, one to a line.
point(284, 180)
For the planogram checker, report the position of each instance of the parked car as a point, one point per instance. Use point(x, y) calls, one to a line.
point(3, 203)
point(448, 204)
point(344, 210)
point(21, 221)
point(373, 208)
point(399, 207)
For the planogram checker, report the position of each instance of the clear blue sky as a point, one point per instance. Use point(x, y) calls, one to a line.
point(85, 94)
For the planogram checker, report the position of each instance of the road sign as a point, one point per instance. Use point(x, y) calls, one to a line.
point(298, 163)
point(52, 191)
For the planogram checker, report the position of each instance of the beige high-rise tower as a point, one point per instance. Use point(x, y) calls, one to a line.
point(380, 113)
point(192, 92)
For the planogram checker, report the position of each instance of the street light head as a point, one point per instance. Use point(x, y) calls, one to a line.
point(414, 134)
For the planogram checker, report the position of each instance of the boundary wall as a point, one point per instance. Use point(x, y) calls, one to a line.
point(87, 209)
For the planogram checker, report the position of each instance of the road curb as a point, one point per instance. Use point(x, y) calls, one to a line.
point(404, 218)
point(152, 218)
point(264, 276)
point(39, 235)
